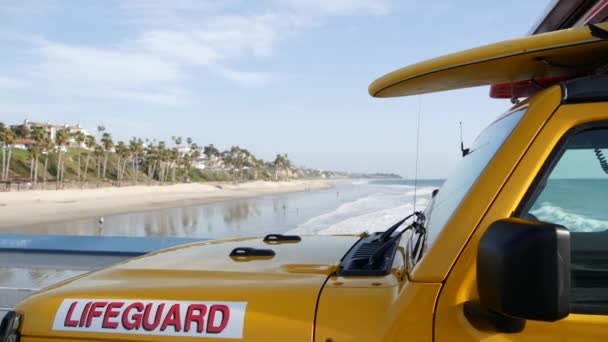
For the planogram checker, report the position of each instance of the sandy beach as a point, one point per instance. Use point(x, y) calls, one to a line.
point(45, 206)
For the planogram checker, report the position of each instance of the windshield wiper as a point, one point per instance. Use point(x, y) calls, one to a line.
point(387, 233)
point(373, 254)
point(389, 241)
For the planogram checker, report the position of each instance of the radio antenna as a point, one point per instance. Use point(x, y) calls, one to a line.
point(417, 144)
point(465, 151)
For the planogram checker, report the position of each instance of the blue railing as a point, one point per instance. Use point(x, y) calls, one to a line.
point(90, 245)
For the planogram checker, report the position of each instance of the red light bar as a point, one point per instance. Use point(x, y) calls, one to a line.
point(525, 88)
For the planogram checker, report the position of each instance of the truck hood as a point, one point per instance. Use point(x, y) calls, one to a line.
point(195, 290)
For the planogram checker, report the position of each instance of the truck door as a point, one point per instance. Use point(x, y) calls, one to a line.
point(562, 179)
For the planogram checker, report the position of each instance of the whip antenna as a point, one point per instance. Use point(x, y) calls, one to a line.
point(465, 151)
point(417, 143)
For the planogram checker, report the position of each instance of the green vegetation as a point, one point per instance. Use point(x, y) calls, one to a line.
point(69, 157)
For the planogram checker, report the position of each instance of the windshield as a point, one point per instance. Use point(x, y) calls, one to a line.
point(467, 171)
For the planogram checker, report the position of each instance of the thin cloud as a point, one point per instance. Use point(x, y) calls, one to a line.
point(12, 83)
point(341, 7)
point(247, 78)
point(168, 43)
point(107, 73)
point(111, 67)
point(219, 39)
point(166, 96)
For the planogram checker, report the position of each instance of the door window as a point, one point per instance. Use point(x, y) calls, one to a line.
point(573, 192)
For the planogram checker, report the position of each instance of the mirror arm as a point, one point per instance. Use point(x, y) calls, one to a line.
point(485, 319)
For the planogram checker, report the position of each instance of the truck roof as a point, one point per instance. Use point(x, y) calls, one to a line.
point(562, 14)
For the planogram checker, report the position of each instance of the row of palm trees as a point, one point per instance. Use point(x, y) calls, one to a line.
point(136, 160)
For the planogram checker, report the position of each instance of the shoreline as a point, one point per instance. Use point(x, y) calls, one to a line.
point(48, 206)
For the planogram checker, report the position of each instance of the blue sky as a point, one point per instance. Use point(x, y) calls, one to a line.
point(273, 76)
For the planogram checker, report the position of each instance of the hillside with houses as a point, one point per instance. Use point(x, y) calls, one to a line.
point(45, 155)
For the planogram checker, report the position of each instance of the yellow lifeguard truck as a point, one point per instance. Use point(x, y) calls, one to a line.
point(478, 264)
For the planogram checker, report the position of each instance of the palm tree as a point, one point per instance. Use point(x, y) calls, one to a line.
point(30, 149)
point(162, 161)
point(2, 132)
point(193, 155)
point(136, 148)
point(22, 131)
point(47, 145)
point(239, 158)
point(79, 137)
point(90, 143)
point(210, 151)
point(61, 139)
point(174, 162)
point(257, 165)
point(123, 154)
point(7, 137)
point(107, 144)
point(10, 141)
point(38, 135)
point(175, 156)
point(151, 159)
point(98, 153)
point(281, 164)
point(166, 158)
point(101, 129)
point(35, 151)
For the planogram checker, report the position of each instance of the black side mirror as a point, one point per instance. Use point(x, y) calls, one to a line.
point(523, 270)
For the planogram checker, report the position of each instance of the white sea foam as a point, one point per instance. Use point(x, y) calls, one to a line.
point(574, 222)
point(371, 213)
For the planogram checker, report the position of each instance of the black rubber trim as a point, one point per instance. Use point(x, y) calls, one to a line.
point(356, 261)
point(598, 32)
point(589, 309)
point(251, 252)
point(563, 15)
point(585, 89)
point(8, 326)
point(280, 238)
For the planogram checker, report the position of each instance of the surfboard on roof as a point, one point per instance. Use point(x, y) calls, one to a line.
point(564, 53)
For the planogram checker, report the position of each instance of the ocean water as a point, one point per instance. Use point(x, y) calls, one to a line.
point(581, 205)
point(351, 206)
point(384, 203)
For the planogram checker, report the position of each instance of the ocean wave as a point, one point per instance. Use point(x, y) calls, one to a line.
point(421, 192)
point(371, 213)
point(373, 222)
point(574, 222)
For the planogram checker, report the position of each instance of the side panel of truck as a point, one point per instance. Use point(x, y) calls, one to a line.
point(372, 308)
point(368, 309)
point(451, 324)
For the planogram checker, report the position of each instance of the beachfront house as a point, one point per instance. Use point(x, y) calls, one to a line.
point(51, 129)
point(213, 163)
point(23, 144)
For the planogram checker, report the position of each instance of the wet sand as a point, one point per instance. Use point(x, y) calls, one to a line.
point(36, 207)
